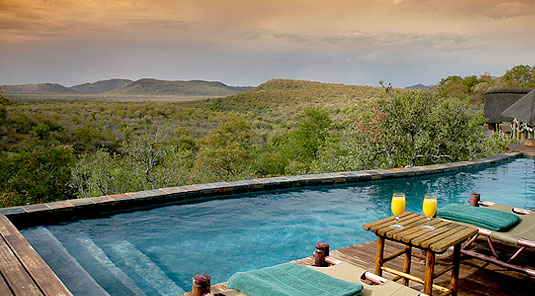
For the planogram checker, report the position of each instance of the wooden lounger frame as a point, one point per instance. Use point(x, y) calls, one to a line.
point(523, 243)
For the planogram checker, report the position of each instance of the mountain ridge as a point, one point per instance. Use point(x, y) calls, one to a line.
point(143, 86)
point(152, 86)
point(419, 86)
point(100, 86)
point(36, 88)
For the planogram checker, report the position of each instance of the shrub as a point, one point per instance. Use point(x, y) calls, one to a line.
point(35, 176)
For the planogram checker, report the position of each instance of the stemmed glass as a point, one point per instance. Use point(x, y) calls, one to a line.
point(398, 207)
point(430, 209)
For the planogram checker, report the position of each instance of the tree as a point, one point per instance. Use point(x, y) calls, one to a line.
point(42, 131)
point(419, 129)
point(103, 173)
point(35, 176)
point(149, 151)
point(520, 76)
point(310, 134)
point(226, 153)
point(294, 151)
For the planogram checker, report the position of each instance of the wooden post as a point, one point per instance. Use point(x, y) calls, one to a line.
point(407, 263)
point(429, 271)
point(201, 285)
point(474, 199)
point(455, 271)
point(322, 251)
point(379, 255)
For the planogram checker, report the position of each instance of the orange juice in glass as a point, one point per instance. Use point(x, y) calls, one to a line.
point(430, 209)
point(398, 208)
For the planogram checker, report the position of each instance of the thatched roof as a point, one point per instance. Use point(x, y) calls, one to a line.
point(523, 109)
point(499, 99)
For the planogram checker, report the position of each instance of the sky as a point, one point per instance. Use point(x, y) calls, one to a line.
point(247, 42)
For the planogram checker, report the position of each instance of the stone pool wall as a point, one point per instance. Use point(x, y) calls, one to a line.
point(53, 212)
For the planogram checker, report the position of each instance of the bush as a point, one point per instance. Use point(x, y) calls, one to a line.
point(413, 129)
point(35, 176)
point(226, 153)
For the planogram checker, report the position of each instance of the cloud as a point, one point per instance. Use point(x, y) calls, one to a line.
point(261, 37)
point(70, 19)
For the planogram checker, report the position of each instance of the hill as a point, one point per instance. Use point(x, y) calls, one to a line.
point(278, 101)
point(38, 88)
point(100, 86)
point(149, 86)
point(418, 86)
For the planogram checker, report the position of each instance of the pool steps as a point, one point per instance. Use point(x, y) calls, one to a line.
point(98, 255)
point(52, 212)
point(144, 267)
point(73, 274)
point(65, 266)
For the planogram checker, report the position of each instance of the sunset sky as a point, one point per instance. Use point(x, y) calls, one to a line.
point(246, 42)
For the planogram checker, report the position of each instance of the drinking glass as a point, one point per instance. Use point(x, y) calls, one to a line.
point(430, 209)
point(398, 207)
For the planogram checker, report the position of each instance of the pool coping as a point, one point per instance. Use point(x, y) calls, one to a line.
point(52, 212)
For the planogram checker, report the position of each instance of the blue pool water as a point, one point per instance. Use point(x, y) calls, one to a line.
point(157, 251)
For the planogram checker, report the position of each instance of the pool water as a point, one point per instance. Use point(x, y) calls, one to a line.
point(157, 251)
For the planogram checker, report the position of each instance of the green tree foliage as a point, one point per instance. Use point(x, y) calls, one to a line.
point(415, 129)
point(226, 153)
point(310, 134)
point(150, 163)
point(34, 176)
point(520, 76)
point(473, 87)
point(102, 173)
point(42, 130)
point(161, 164)
point(294, 151)
point(347, 151)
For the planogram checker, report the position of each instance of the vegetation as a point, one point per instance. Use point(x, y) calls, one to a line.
point(473, 87)
point(57, 150)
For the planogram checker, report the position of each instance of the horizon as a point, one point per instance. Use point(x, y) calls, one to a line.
point(403, 42)
point(188, 80)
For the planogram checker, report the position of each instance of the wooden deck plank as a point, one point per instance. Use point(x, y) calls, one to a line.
point(4, 288)
point(15, 274)
point(36, 268)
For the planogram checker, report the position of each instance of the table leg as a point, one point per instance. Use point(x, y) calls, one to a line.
point(429, 271)
point(379, 255)
point(455, 271)
point(407, 263)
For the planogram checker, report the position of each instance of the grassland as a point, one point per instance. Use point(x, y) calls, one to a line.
point(27, 97)
point(104, 143)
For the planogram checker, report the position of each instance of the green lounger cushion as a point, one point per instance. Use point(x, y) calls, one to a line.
point(290, 279)
point(483, 217)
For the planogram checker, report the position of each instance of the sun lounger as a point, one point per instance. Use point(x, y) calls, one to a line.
point(354, 274)
point(520, 234)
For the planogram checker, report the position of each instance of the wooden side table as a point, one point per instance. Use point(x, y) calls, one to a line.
point(445, 235)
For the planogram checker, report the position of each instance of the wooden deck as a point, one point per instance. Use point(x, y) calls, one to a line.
point(527, 150)
point(475, 278)
point(22, 270)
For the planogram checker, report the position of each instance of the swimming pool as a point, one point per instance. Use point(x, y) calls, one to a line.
point(157, 251)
